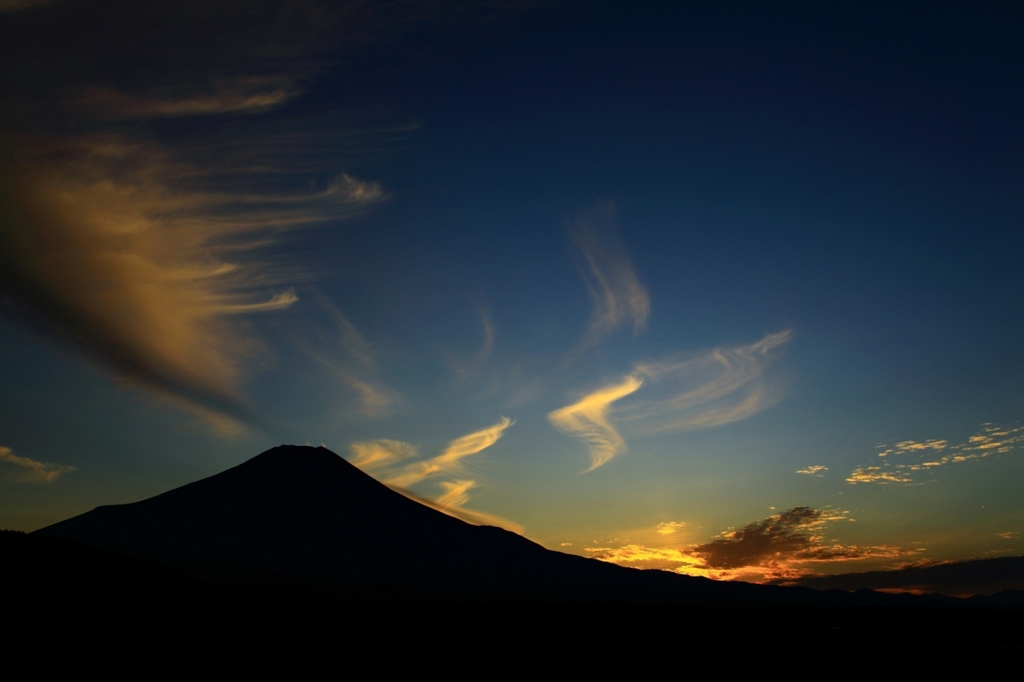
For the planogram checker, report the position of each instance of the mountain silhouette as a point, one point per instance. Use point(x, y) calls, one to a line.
point(302, 524)
point(298, 546)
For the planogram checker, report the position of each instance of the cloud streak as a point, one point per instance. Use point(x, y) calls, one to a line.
point(378, 454)
point(477, 518)
point(385, 455)
point(31, 470)
point(992, 439)
point(719, 387)
point(107, 251)
point(588, 420)
point(239, 95)
point(450, 459)
point(350, 357)
point(618, 295)
point(722, 386)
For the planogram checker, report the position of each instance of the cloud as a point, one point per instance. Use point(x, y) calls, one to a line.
point(724, 385)
point(641, 556)
point(813, 470)
point(383, 457)
point(450, 459)
point(31, 470)
point(247, 94)
point(990, 440)
point(106, 250)
point(455, 494)
point(786, 536)
point(615, 289)
point(877, 475)
point(914, 446)
point(356, 191)
point(1010, 535)
point(587, 419)
point(670, 527)
point(777, 547)
point(477, 518)
point(377, 454)
point(462, 369)
point(350, 357)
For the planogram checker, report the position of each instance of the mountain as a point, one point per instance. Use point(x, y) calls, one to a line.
point(297, 544)
point(302, 523)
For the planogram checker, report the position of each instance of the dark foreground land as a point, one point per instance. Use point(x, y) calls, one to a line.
point(298, 548)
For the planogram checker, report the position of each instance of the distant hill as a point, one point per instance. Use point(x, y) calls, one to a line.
point(957, 579)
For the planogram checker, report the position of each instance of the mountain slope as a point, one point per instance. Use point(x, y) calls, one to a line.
point(301, 522)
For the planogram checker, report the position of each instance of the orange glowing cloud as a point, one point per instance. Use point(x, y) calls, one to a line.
point(779, 547)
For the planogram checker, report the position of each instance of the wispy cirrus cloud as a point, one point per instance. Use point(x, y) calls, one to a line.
point(477, 518)
point(106, 250)
point(991, 439)
point(385, 456)
point(462, 369)
point(781, 546)
point(349, 356)
point(377, 454)
point(721, 386)
point(718, 387)
point(30, 470)
point(451, 459)
point(618, 295)
point(813, 470)
point(246, 94)
point(588, 420)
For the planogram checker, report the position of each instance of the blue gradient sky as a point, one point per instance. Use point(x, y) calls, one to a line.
point(671, 257)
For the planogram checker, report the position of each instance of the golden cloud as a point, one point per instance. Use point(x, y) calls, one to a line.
point(377, 454)
point(991, 439)
point(104, 249)
point(587, 419)
point(449, 460)
point(778, 547)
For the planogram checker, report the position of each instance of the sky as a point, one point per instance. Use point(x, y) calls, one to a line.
point(728, 289)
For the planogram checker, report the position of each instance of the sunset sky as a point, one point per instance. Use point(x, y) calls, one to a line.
point(732, 289)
